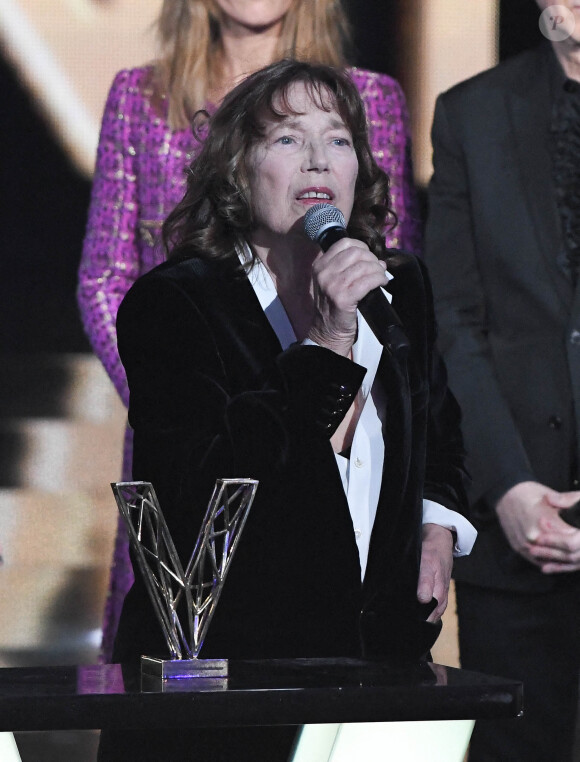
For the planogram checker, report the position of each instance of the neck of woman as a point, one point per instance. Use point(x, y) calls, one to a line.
point(243, 51)
point(291, 272)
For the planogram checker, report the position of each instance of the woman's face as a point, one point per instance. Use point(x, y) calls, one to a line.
point(304, 159)
point(253, 14)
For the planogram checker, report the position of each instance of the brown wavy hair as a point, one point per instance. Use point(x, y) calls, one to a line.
point(190, 60)
point(215, 215)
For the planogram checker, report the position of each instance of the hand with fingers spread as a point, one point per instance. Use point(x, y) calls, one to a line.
point(528, 514)
point(341, 277)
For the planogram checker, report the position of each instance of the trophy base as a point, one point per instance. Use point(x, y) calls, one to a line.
point(183, 669)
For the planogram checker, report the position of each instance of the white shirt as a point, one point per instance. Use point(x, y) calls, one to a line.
point(361, 473)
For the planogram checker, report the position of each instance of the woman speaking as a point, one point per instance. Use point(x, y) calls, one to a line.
point(246, 356)
point(206, 47)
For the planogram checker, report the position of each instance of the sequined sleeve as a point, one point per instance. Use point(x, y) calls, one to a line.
point(391, 145)
point(110, 259)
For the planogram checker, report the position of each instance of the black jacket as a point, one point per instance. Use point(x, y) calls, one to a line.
point(508, 317)
point(213, 395)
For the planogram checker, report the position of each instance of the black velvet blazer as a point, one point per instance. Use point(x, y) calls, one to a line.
point(213, 395)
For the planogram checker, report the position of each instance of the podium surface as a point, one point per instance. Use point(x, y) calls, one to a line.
point(268, 692)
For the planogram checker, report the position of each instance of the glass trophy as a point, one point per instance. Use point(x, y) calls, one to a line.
point(185, 600)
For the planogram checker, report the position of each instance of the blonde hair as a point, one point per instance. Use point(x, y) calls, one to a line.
point(189, 62)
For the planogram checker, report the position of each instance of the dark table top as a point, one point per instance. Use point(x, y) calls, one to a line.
point(270, 692)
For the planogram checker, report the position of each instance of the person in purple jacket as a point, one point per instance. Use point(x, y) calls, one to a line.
point(146, 144)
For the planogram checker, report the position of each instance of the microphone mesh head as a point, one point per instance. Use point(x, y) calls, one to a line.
point(321, 216)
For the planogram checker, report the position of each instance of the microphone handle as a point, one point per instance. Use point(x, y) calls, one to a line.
point(374, 307)
point(384, 323)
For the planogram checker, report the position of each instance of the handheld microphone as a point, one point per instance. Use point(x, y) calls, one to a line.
point(325, 224)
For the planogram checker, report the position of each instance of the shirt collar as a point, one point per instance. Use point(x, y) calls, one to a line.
point(366, 350)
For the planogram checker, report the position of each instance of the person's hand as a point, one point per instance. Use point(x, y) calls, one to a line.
point(558, 543)
point(341, 277)
point(435, 570)
point(528, 514)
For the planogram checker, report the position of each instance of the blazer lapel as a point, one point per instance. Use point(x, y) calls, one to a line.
point(397, 431)
point(529, 110)
point(405, 383)
point(232, 294)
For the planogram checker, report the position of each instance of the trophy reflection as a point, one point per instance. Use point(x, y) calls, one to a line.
point(185, 600)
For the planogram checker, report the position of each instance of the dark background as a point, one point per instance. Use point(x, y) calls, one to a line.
point(43, 199)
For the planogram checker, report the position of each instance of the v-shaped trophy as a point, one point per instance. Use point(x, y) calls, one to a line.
point(185, 600)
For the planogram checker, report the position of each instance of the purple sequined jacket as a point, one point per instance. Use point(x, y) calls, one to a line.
point(139, 178)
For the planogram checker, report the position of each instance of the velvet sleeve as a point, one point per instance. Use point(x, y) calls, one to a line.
point(446, 479)
point(110, 260)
